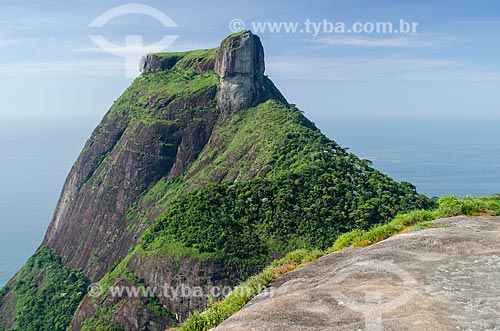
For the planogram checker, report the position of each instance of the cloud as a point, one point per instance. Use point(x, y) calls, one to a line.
point(97, 67)
point(8, 42)
point(480, 22)
point(177, 46)
point(21, 23)
point(378, 69)
point(360, 41)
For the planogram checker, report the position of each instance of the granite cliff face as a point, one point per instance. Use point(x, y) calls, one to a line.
point(240, 65)
point(200, 174)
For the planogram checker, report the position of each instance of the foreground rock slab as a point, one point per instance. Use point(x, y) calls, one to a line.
point(445, 278)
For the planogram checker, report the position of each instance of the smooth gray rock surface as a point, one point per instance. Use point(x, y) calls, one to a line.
point(445, 278)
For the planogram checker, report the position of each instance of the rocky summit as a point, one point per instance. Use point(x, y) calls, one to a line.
point(201, 174)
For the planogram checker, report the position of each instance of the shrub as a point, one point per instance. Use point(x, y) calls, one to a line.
point(216, 313)
point(46, 293)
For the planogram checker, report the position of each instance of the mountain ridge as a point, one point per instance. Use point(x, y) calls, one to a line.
point(201, 178)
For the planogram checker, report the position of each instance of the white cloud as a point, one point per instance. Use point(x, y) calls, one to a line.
point(8, 42)
point(374, 69)
point(480, 22)
point(372, 42)
point(177, 46)
point(77, 66)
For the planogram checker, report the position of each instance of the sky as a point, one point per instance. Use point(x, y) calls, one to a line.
point(51, 69)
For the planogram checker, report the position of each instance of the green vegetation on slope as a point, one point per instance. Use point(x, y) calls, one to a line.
point(243, 223)
point(308, 191)
point(313, 193)
point(46, 294)
point(218, 312)
point(271, 137)
point(101, 321)
point(294, 189)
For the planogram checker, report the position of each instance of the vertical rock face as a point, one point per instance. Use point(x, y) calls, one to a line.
point(240, 65)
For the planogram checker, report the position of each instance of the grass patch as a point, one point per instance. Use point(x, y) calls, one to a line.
point(401, 223)
point(420, 219)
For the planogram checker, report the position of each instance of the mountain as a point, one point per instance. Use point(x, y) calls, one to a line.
point(435, 279)
point(200, 174)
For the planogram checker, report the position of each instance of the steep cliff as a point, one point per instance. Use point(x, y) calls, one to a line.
point(199, 175)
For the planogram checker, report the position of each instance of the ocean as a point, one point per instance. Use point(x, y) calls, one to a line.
point(439, 156)
point(34, 161)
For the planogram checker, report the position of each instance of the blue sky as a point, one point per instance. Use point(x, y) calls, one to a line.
point(50, 69)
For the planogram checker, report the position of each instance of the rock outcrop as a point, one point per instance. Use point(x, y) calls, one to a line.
point(240, 65)
point(156, 63)
point(435, 279)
